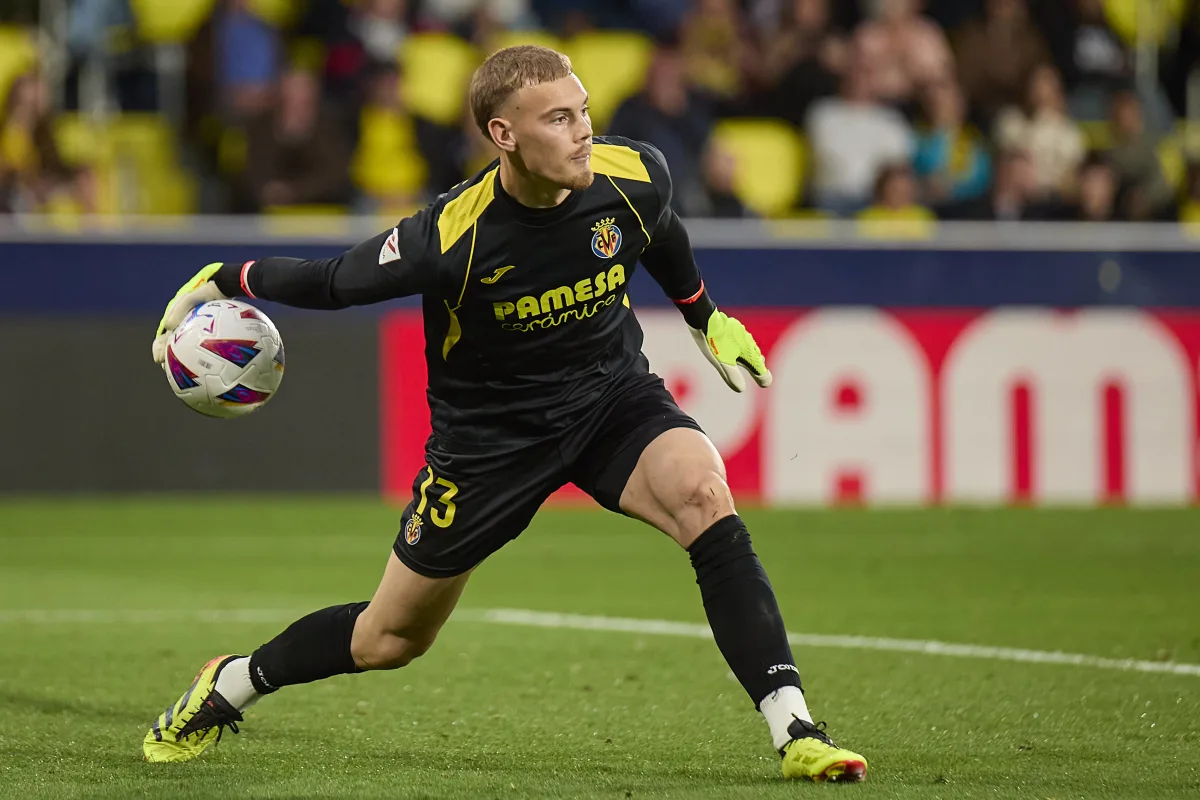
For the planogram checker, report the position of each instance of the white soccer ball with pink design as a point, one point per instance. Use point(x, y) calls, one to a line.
point(225, 359)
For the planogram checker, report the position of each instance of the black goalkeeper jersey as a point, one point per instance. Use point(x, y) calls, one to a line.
point(527, 318)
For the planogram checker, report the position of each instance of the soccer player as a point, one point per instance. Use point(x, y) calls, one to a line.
point(536, 379)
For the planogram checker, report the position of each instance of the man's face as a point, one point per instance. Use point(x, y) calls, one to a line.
point(549, 130)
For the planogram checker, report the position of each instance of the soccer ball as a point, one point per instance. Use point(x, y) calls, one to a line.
point(225, 359)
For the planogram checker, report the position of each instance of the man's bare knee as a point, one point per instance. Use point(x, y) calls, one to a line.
point(702, 497)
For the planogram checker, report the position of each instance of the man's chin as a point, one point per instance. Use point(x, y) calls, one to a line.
point(580, 181)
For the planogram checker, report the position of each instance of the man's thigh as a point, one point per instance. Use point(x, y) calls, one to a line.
point(678, 486)
point(467, 505)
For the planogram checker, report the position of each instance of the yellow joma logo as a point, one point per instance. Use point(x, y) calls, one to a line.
point(495, 276)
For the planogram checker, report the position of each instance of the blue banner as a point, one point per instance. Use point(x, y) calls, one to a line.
point(74, 276)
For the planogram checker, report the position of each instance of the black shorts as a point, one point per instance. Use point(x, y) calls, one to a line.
point(467, 506)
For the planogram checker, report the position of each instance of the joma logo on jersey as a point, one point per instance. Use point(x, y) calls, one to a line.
point(595, 293)
point(606, 238)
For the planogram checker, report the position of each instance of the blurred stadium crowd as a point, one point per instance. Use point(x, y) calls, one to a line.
point(883, 110)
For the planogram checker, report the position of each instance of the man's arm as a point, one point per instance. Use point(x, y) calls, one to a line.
point(668, 258)
point(670, 261)
point(393, 264)
point(354, 278)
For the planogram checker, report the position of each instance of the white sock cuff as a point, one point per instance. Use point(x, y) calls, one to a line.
point(779, 708)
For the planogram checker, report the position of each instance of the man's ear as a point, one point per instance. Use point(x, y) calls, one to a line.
point(502, 134)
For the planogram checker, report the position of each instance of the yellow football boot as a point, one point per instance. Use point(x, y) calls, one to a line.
point(182, 731)
point(812, 755)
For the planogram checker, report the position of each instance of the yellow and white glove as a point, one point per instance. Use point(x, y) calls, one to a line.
point(199, 290)
point(728, 345)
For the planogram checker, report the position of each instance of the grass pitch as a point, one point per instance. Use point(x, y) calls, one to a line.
point(501, 711)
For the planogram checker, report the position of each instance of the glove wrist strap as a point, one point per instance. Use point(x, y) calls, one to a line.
point(229, 279)
point(697, 309)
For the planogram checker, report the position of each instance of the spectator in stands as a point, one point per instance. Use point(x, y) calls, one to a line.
point(853, 136)
point(248, 60)
point(996, 56)
point(1098, 58)
point(899, 51)
point(802, 60)
point(896, 194)
point(1146, 194)
point(379, 27)
point(667, 113)
point(896, 211)
point(712, 40)
point(719, 168)
point(475, 19)
point(350, 46)
point(1013, 196)
point(952, 159)
point(1097, 196)
point(297, 155)
point(32, 170)
point(1042, 127)
point(1097, 63)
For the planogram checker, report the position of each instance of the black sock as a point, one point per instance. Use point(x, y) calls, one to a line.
point(742, 610)
point(312, 648)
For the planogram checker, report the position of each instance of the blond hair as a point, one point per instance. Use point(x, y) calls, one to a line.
point(506, 72)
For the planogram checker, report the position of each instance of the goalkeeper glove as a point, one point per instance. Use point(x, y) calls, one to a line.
point(199, 290)
point(727, 345)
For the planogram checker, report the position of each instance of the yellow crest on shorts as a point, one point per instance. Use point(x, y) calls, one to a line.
point(412, 530)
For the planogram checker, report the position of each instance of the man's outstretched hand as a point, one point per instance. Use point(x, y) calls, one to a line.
point(728, 345)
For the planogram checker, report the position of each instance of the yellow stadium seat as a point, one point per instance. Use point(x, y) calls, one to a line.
point(910, 222)
point(437, 69)
point(506, 38)
point(135, 160)
point(1153, 19)
point(300, 220)
point(1172, 162)
point(280, 13)
point(612, 66)
point(1188, 134)
point(231, 152)
point(145, 139)
point(388, 213)
point(1190, 214)
point(387, 163)
point(18, 55)
point(770, 163)
point(309, 210)
point(81, 141)
point(168, 192)
point(170, 21)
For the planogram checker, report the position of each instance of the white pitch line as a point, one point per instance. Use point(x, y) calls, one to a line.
point(42, 616)
point(663, 627)
point(581, 622)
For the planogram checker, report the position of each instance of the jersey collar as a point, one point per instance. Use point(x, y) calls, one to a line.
point(534, 216)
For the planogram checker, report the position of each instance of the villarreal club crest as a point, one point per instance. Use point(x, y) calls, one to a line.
point(412, 530)
point(606, 238)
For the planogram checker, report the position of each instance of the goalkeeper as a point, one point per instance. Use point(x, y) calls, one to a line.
point(536, 379)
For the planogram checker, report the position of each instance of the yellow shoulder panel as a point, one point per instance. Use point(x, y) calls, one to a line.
point(461, 213)
point(618, 161)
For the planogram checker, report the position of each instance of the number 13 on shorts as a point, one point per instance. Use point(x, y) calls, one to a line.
point(442, 517)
